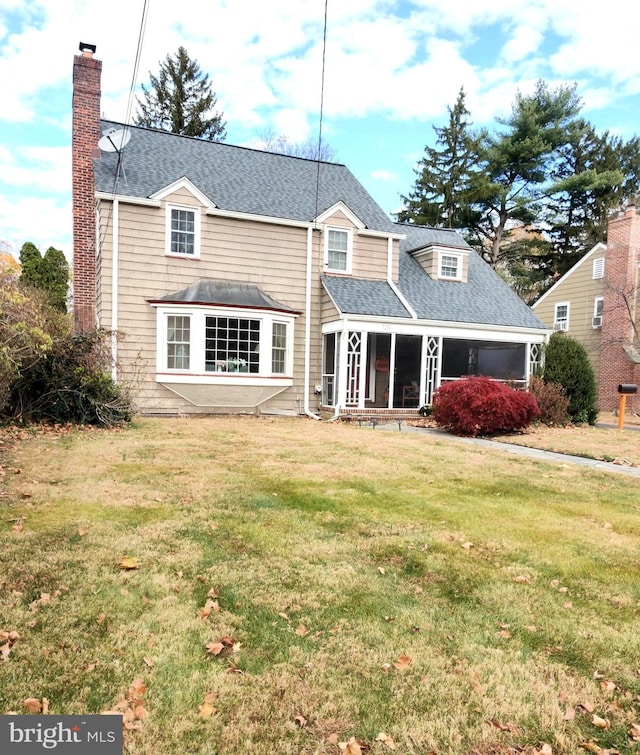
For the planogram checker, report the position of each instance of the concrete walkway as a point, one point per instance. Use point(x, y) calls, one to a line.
point(533, 453)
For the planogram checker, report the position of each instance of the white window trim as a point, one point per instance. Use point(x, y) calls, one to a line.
point(596, 321)
point(197, 217)
point(349, 232)
point(197, 372)
point(459, 261)
point(597, 270)
point(561, 324)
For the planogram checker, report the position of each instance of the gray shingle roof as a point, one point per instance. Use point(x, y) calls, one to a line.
point(224, 292)
point(235, 178)
point(357, 296)
point(484, 299)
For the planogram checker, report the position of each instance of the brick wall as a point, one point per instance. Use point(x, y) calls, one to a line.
point(619, 310)
point(85, 136)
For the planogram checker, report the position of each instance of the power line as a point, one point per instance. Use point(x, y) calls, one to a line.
point(324, 53)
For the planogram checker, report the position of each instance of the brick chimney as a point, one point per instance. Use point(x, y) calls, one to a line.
point(620, 353)
point(85, 136)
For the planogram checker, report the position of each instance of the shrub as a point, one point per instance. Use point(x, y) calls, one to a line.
point(71, 383)
point(552, 402)
point(482, 406)
point(566, 362)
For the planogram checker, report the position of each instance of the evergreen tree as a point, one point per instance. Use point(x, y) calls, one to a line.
point(566, 363)
point(514, 166)
point(49, 273)
point(31, 262)
point(55, 277)
point(440, 194)
point(180, 100)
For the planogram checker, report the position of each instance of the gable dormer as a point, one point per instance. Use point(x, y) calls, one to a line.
point(444, 263)
point(338, 226)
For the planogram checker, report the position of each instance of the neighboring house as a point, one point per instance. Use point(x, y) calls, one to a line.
point(241, 280)
point(595, 302)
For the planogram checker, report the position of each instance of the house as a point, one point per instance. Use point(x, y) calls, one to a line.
point(595, 302)
point(241, 280)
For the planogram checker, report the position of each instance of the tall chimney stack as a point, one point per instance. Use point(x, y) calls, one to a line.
point(619, 355)
point(86, 133)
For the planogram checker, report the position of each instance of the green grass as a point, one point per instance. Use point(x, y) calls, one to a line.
point(511, 584)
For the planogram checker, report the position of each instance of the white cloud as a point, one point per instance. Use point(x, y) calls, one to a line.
point(46, 222)
point(383, 175)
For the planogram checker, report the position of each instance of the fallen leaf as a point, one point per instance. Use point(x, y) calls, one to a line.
point(233, 669)
point(468, 545)
point(82, 531)
point(32, 705)
point(634, 732)
point(544, 750)
point(206, 710)
point(608, 686)
point(591, 747)
point(505, 634)
point(45, 706)
point(588, 706)
point(601, 723)
point(301, 721)
point(403, 662)
point(215, 648)
point(302, 631)
point(213, 593)
point(127, 563)
point(569, 714)
point(352, 747)
point(522, 579)
point(386, 740)
point(381, 570)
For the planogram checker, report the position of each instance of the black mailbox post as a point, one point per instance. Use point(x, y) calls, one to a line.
point(624, 389)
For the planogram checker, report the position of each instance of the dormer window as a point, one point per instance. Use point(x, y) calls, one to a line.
point(337, 250)
point(183, 232)
point(450, 266)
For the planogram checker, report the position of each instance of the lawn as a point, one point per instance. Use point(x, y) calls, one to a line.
point(245, 585)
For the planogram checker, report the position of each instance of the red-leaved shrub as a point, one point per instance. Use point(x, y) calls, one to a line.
point(482, 406)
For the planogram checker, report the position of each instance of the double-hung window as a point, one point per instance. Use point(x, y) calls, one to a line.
point(178, 342)
point(450, 266)
point(338, 243)
point(598, 303)
point(183, 232)
point(278, 347)
point(561, 316)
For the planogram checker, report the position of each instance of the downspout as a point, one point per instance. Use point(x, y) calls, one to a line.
point(114, 290)
point(307, 326)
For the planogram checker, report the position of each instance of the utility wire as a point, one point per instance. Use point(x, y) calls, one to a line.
point(324, 54)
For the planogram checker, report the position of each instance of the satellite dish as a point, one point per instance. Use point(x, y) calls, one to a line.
point(114, 140)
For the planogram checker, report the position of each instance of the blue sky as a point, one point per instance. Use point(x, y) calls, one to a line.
point(392, 68)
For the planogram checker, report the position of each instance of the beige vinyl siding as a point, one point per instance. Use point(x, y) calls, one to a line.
point(579, 289)
point(369, 254)
point(272, 257)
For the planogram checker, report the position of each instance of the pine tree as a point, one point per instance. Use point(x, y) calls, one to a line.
point(514, 166)
point(180, 100)
point(439, 197)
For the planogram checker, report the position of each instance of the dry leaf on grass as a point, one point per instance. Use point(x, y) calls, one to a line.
point(300, 720)
point(403, 662)
point(302, 631)
point(207, 709)
point(386, 740)
point(353, 746)
point(32, 705)
point(601, 723)
point(128, 563)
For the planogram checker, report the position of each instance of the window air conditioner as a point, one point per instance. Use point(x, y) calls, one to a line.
point(561, 325)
